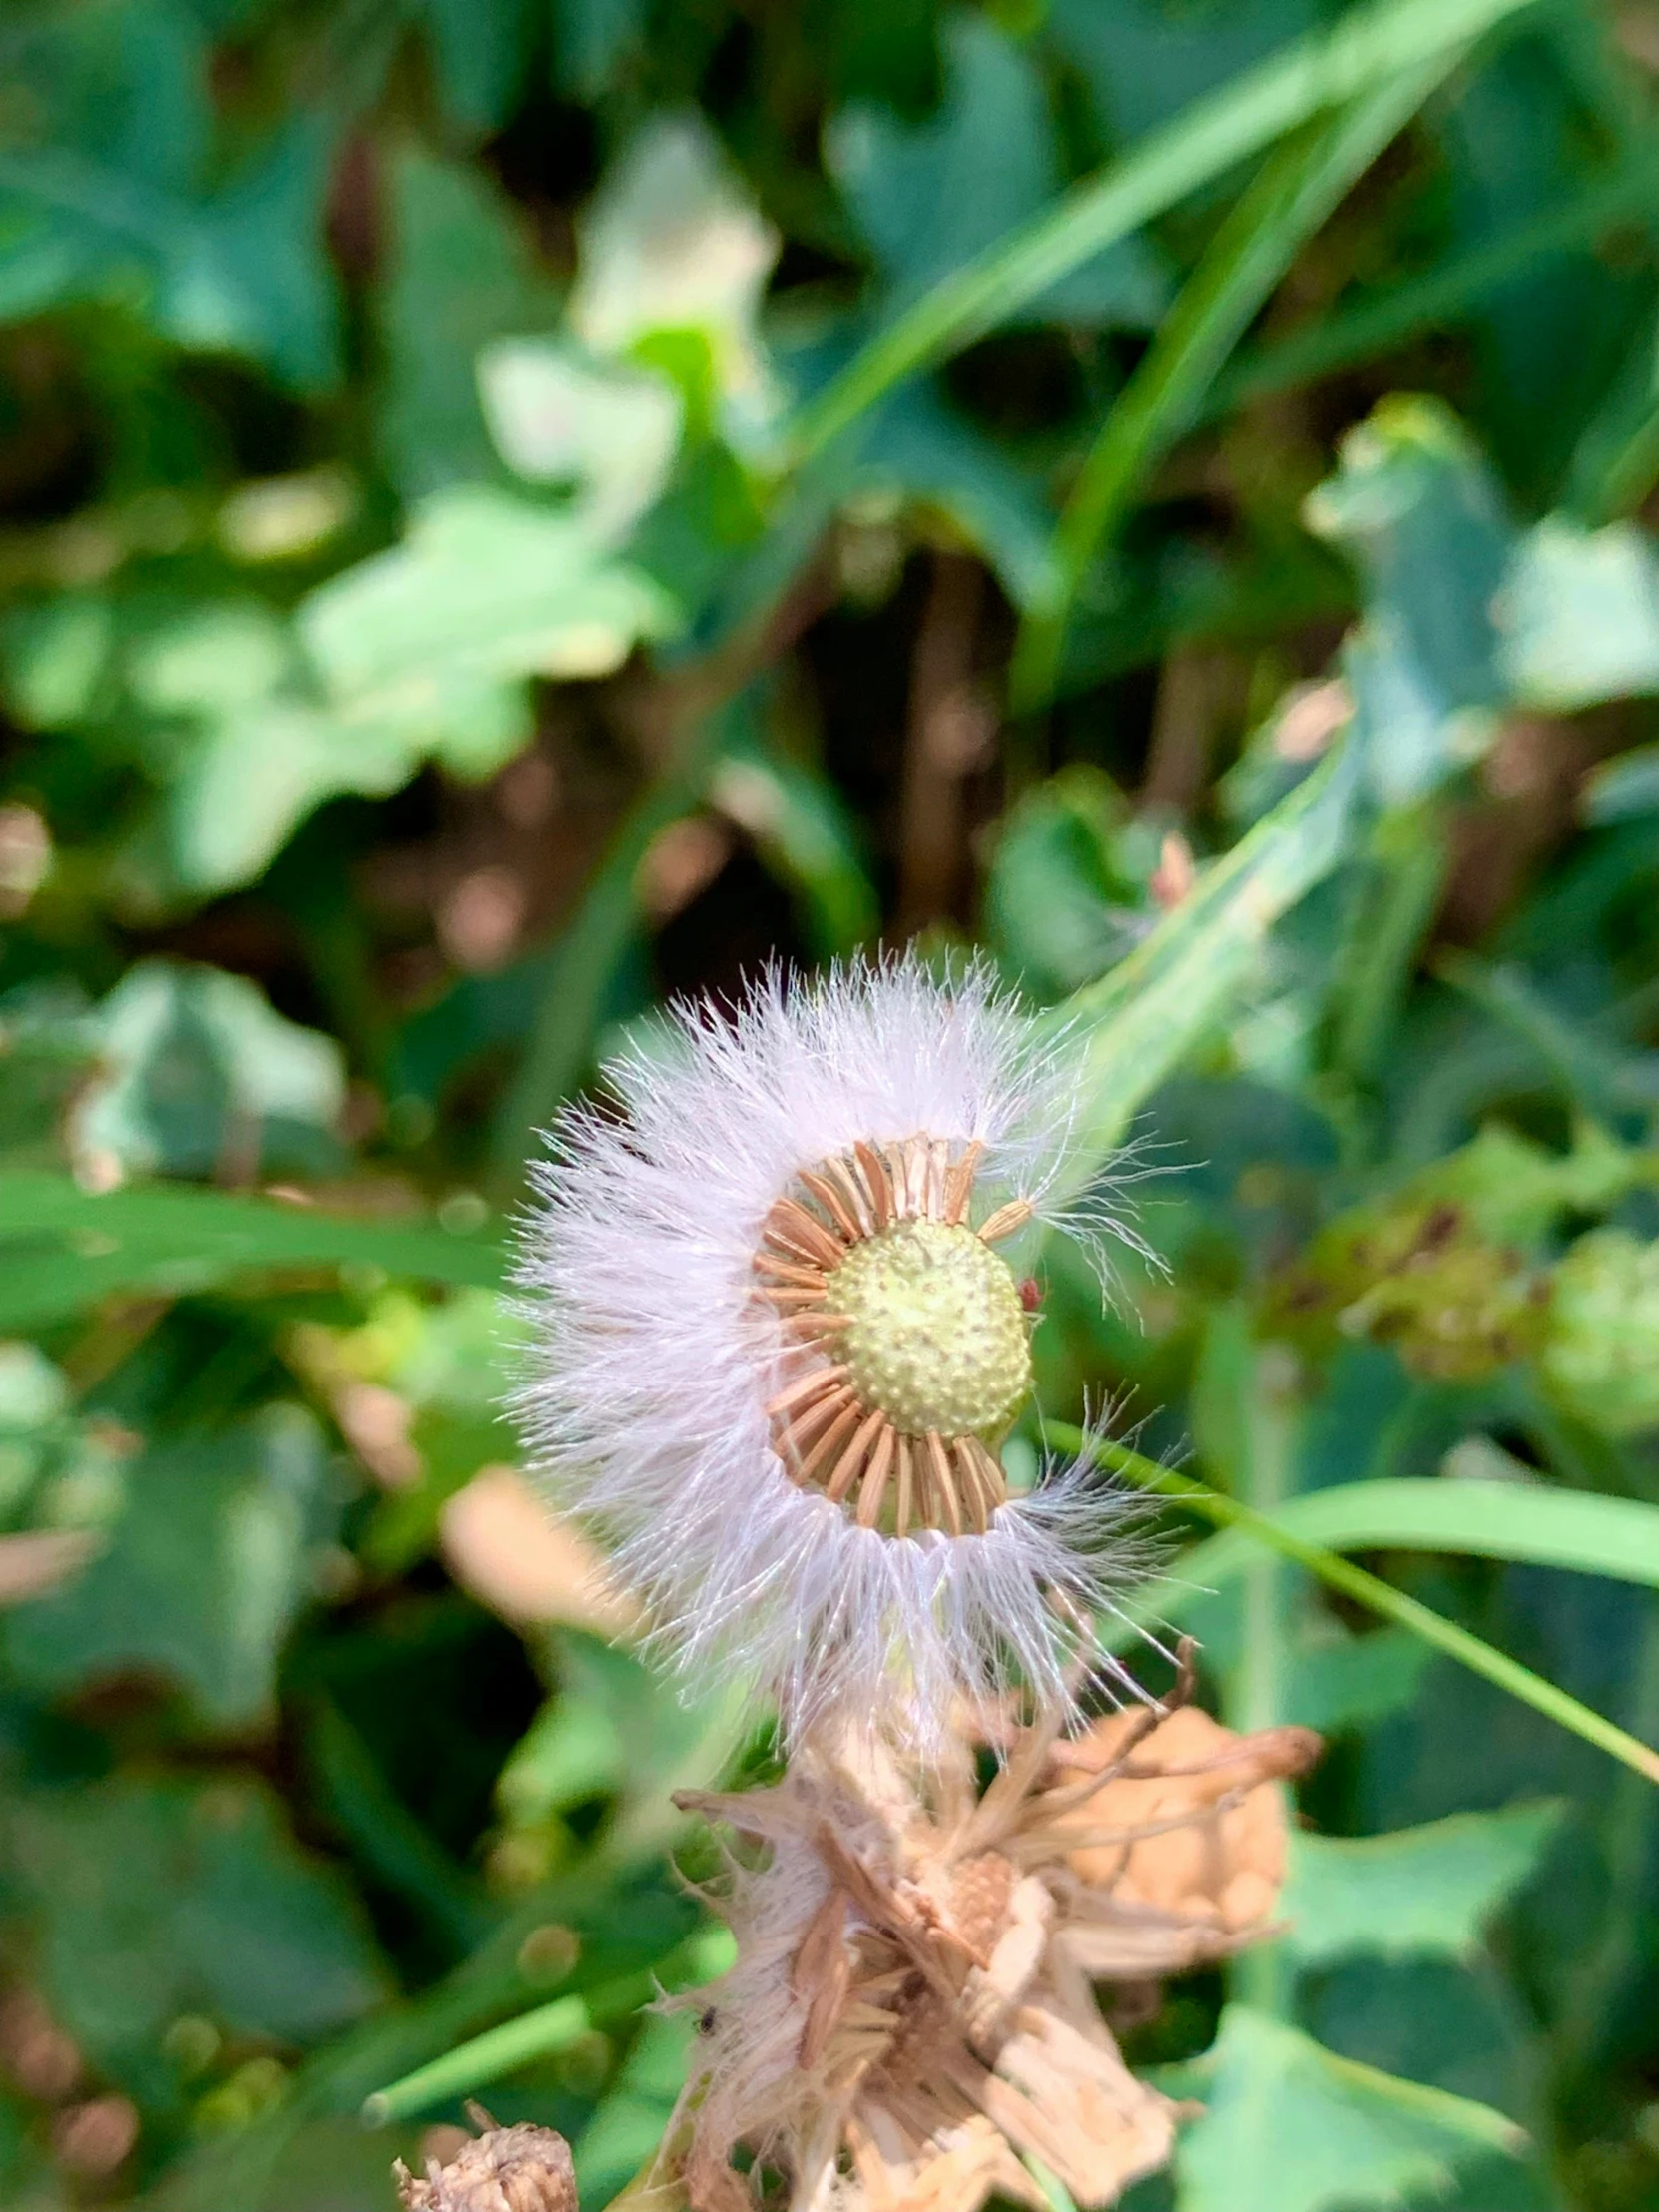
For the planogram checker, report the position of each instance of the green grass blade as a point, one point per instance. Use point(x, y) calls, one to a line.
point(1292, 195)
point(1324, 70)
point(474, 2064)
point(1524, 1522)
point(1371, 1591)
point(1443, 296)
point(546, 2030)
point(70, 1246)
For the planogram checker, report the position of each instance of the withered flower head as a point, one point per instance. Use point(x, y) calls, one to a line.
point(912, 2012)
point(776, 1343)
point(505, 2169)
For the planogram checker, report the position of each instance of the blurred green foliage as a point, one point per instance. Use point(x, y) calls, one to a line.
point(511, 511)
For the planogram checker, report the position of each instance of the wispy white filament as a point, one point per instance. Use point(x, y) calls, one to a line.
point(651, 1363)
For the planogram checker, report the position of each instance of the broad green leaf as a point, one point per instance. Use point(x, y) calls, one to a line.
point(606, 430)
point(1141, 1018)
point(481, 48)
point(257, 754)
point(69, 1249)
point(257, 280)
point(216, 656)
point(592, 39)
point(1624, 786)
point(205, 1568)
point(196, 1070)
point(928, 199)
point(257, 773)
point(1578, 615)
point(156, 1898)
point(1288, 2127)
point(1144, 62)
point(1530, 1522)
point(1414, 505)
point(1334, 1682)
point(461, 275)
point(32, 1391)
point(1066, 896)
point(1419, 1891)
point(242, 271)
point(434, 639)
point(1515, 141)
point(56, 654)
point(1319, 72)
point(671, 242)
point(918, 449)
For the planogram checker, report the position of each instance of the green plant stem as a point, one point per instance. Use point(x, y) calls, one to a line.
point(543, 2034)
point(1244, 1424)
point(1320, 70)
point(1373, 1593)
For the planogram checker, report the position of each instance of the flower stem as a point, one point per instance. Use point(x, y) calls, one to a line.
point(1373, 1592)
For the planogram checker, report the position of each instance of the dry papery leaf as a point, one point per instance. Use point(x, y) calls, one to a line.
point(525, 1563)
point(37, 1561)
point(504, 2169)
point(911, 2014)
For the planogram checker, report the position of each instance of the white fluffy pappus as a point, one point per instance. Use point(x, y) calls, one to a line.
point(650, 1401)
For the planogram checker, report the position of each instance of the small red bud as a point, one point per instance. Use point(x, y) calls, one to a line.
point(1031, 1294)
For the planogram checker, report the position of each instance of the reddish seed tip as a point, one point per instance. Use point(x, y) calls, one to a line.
point(1031, 1294)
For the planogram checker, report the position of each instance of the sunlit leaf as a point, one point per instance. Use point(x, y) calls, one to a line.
point(203, 1570)
point(1414, 505)
point(1579, 616)
point(1418, 1891)
point(461, 273)
point(435, 637)
point(608, 432)
point(1288, 2127)
point(671, 242)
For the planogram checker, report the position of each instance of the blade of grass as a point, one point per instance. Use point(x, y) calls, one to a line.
point(1290, 197)
point(72, 1246)
point(1322, 70)
point(542, 2033)
point(1578, 1530)
point(1371, 1591)
point(1440, 296)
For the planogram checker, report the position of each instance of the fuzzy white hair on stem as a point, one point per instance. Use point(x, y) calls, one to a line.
point(773, 1345)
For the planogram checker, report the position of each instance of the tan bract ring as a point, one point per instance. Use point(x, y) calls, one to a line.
point(908, 1330)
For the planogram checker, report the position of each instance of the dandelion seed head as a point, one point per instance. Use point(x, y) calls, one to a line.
point(777, 1340)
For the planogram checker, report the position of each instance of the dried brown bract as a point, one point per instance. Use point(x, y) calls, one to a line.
point(505, 2169)
point(911, 2014)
